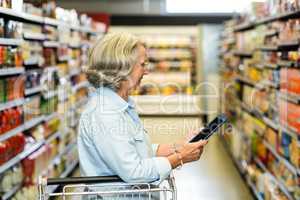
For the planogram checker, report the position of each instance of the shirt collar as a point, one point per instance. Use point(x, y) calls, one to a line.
point(112, 100)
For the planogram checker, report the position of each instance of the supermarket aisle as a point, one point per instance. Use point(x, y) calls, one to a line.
point(214, 177)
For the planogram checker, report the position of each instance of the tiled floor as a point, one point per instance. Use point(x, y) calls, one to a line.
point(213, 177)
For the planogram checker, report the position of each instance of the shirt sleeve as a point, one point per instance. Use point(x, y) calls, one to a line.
point(155, 148)
point(116, 145)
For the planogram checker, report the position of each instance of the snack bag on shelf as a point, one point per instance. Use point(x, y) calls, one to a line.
point(289, 115)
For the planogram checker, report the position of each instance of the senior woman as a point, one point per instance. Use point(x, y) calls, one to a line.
point(111, 139)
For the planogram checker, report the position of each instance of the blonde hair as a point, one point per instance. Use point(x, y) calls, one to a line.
point(111, 59)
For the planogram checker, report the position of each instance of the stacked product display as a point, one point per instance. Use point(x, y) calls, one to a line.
point(42, 52)
point(261, 88)
point(172, 62)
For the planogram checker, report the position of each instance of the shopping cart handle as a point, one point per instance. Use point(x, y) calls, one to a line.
point(83, 180)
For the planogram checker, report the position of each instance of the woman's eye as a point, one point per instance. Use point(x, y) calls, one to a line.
point(144, 64)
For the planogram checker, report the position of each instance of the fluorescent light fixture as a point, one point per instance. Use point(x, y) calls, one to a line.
point(207, 6)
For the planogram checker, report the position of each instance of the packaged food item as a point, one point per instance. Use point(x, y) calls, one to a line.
point(33, 78)
point(33, 7)
point(15, 87)
point(290, 80)
point(2, 28)
point(13, 29)
point(49, 7)
point(2, 91)
point(18, 57)
point(10, 118)
point(49, 106)
point(32, 107)
point(10, 179)
point(5, 3)
point(11, 147)
point(49, 56)
point(289, 114)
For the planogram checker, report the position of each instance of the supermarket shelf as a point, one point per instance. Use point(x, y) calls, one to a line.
point(280, 158)
point(289, 131)
point(63, 59)
point(11, 41)
point(271, 84)
point(74, 46)
point(32, 123)
point(80, 103)
point(68, 148)
point(258, 85)
point(66, 173)
point(153, 59)
point(243, 53)
point(33, 18)
point(271, 33)
point(285, 63)
point(32, 61)
point(278, 182)
point(34, 36)
point(288, 45)
point(59, 156)
point(51, 116)
point(8, 195)
point(86, 43)
point(33, 90)
point(268, 48)
point(20, 16)
point(271, 123)
point(74, 71)
point(11, 133)
point(52, 22)
point(74, 123)
point(281, 17)
point(11, 71)
point(53, 137)
point(51, 44)
point(260, 164)
point(182, 78)
point(70, 169)
point(241, 166)
point(50, 69)
point(50, 94)
point(11, 104)
point(20, 156)
point(270, 65)
point(258, 114)
point(253, 188)
point(243, 27)
point(80, 85)
point(294, 98)
point(88, 30)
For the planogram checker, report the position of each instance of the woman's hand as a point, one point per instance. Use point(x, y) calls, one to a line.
point(189, 152)
point(192, 151)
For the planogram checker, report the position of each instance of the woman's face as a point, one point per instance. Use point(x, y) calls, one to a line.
point(140, 69)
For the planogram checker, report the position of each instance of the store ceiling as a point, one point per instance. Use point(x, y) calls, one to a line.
point(140, 12)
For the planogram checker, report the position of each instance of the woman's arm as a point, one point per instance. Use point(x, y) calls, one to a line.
point(165, 150)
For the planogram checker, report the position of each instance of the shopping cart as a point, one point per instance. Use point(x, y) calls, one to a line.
point(107, 187)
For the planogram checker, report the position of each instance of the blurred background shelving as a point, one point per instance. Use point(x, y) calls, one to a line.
point(259, 53)
point(38, 88)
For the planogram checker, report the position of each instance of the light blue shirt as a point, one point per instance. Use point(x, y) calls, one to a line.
point(112, 141)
